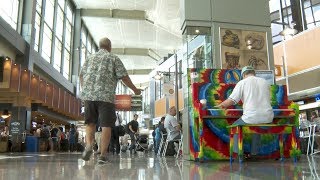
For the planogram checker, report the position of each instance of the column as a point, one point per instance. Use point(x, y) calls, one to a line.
point(77, 47)
point(28, 33)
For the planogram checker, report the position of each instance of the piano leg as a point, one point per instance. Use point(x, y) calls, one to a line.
point(281, 147)
point(240, 145)
point(231, 145)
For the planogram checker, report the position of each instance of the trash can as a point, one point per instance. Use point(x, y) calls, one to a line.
point(32, 144)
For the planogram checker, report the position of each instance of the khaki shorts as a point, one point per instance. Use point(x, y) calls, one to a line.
point(99, 112)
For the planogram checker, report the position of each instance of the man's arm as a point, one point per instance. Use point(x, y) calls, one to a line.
point(130, 127)
point(225, 104)
point(178, 127)
point(82, 71)
point(127, 81)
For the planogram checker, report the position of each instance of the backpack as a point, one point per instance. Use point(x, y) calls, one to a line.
point(45, 133)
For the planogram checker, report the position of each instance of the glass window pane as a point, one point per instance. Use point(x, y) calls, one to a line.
point(37, 32)
point(307, 3)
point(61, 3)
point(311, 25)
point(66, 64)
point(309, 17)
point(9, 12)
point(57, 55)
point(39, 5)
point(314, 2)
point(59, 25)
point(274, 5)
point(83, 36)
point(316, 12)
point(89, 46)
point(49, 12)
point(83, 54)
point(68, 36)
point(69, 13)
point(47, 43)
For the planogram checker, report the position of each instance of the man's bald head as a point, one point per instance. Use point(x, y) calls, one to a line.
point(105, 43)
point(172, 110)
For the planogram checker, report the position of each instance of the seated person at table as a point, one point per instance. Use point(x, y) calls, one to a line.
point(171, 124)
point(255, 94)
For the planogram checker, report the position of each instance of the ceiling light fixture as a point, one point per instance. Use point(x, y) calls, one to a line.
point(5, 114)
point(157, 76)
point(197, 31)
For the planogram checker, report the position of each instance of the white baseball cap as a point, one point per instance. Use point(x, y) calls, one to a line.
point(246, 68)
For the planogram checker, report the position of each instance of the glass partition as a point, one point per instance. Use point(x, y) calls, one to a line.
point(197, 53)
point(198, 48)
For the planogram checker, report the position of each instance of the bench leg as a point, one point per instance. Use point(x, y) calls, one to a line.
point(231, 147)
point(240, 145)
point(281, 147)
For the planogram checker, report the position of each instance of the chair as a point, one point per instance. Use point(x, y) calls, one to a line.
point(312, 136)
point(307, 134)
point(174, 140)
point(163, 137)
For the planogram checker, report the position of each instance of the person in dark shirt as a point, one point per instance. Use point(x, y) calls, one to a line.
point(133, 128)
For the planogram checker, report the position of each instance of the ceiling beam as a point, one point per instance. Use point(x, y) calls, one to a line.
point(138, 71)
point(131, 51)
point(137, 52)
point(114, 13)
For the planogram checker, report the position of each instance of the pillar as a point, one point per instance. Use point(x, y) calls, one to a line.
point(216, 18)
point(77, 47)
point(28, 33)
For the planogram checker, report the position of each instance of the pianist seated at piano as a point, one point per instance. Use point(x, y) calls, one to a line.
point(255, 95)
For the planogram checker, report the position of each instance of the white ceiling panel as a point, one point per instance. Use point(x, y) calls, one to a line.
point(137, 62)
point(116, 4)
point(160, 33)
point(95, 4)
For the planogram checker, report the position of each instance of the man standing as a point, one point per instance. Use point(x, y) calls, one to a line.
point(98, 79)
point(133, 128)
point(254, 92)
point(115, 145)
point(171, 124)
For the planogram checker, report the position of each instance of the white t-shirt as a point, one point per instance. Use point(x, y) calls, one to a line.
point(255, 95)
point(170, 123)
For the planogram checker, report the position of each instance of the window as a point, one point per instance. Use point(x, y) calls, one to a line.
point(49, 13)
point(309, 16)
point(37, 31)
point(83, 56)
point(59, 25)
point(66, 64)
point(57, 32)
point(61, 3)
point(68, 35)
point(47, 43)
point(9, 10)
point(57, 55)
point(89, 44)
point(316, 12)
point(39, 6)
point(69, 14)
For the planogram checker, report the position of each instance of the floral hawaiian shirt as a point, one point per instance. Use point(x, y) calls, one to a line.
point(101, 72)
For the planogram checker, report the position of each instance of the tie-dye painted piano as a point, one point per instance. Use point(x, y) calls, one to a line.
point(209, 135)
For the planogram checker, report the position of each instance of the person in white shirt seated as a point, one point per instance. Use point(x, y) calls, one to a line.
point(171, 124)
point(255, 94)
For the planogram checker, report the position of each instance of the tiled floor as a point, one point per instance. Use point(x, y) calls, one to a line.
point(66, 166)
